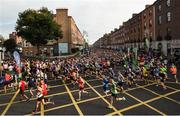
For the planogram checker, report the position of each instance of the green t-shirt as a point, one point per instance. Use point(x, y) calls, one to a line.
point(114, 88)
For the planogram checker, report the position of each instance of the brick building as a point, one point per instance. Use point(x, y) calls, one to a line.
point(159, 23)
point(72, 40)
point(167, 25)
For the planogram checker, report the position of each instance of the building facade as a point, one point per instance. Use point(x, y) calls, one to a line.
point(158, 23)
point(72, 40)
point(167, 25)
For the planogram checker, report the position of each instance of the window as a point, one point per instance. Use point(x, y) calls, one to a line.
point(159, 19)
point(168, 16)
point(150, 23)
point(168, 3)
point(168, 35)
point(145, 25)
point(169, 31)
point(150, 12)
point(144, 16)
point(159, 7)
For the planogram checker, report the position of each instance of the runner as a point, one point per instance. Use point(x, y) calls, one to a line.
point(173, 71)
point(45, 92)
point(81, 83)
point(114, 93)
point(163, 76)
point(73, 77)
point(105, 84)
point(7, 81)
point(40, 98)
point(120, 82)
point(31, 84)
point(22, 87)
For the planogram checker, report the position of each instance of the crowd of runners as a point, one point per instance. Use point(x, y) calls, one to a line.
point(114, 68)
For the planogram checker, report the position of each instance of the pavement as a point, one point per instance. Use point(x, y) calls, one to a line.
point(140, 100)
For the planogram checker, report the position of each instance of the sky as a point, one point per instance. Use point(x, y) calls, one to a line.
point(96, 17)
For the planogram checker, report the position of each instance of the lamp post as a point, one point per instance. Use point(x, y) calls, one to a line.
point(44, 53)
point(51, 51)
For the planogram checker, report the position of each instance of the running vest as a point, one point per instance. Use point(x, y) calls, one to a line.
point(44, 92)
point(163, 70)
point(22, 87)
point(81, 83)
point(114, 88)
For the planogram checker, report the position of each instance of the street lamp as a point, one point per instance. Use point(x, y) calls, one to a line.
point(44, 53)
point(51, 51)
point(2, 50)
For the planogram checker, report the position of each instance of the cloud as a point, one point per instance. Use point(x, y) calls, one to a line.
point(95, 16)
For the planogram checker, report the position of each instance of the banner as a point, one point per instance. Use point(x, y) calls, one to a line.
point(17, 58)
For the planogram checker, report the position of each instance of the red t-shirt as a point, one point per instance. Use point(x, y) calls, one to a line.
point(44, 89)
point(81, 83)
point(22, 86)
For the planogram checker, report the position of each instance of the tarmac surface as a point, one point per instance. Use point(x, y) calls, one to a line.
point(140, 100)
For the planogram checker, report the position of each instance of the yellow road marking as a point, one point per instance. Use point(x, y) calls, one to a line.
point(51, 95)
point(54, 86)
point(74, 102)
point(102, 97)
point(139, 104)
point(9, 105)
point(70, 104)
point(172, 82)
point(145, 104)
point(87, 100)
point(42, 109)
point(160, 95)
point(157, 93)
point(167, 86)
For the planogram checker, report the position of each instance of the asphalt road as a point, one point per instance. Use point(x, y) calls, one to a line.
point(141, 99)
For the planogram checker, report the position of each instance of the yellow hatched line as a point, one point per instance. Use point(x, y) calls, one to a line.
point(167, 86)
point(146, 104)
point(54, 86)
point(51, 95)
point(172, 82)
point(87, 100)
point(67, 105)
point(160, 95)
point(42, 109)
point(74, 102)
point(139, 104)
point(10, 103)
point(102, 98)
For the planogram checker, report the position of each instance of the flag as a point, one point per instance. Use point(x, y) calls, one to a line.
point(17, 58)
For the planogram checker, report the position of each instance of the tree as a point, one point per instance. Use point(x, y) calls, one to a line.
point(10, 45)
point(38, 26)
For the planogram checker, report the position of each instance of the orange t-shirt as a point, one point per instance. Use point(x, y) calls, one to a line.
point(173, 70)
point(7, 77)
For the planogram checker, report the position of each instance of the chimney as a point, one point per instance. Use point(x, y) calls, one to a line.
point(147, 5)
point(134, 14)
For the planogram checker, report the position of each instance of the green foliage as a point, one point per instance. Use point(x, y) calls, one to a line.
point(38, 26)
point(10, 45)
